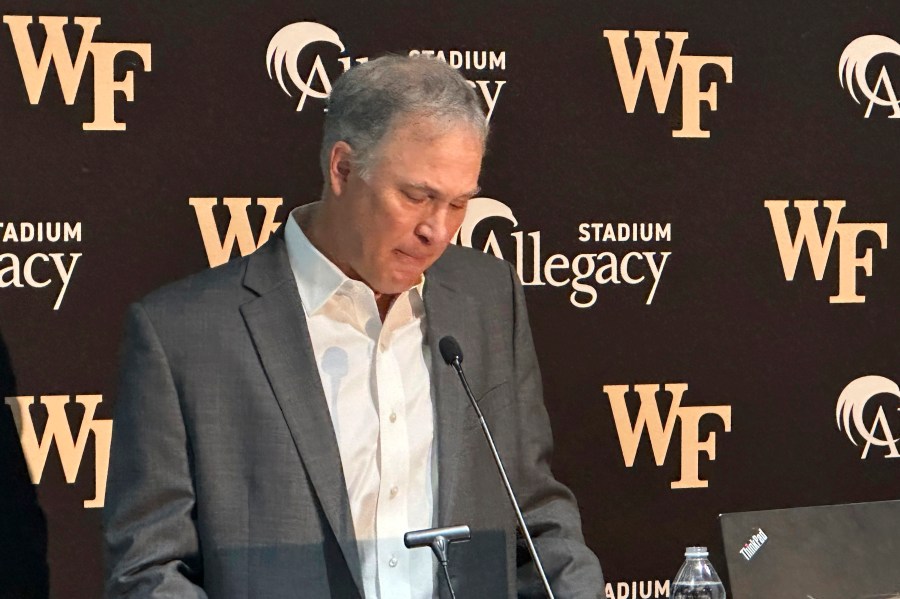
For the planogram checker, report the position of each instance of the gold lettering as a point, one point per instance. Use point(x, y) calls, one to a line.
point(106, 85)
point(649, 418)
point(71, 450)
point(692, 96)
point(691, 445)
point(819, 246)
point(56, 51)
point(848, 261)
point(649, 65)
point(218, 250)
point(807, 234)
point(69, 72)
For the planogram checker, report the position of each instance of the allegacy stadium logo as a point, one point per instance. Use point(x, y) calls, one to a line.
point(649, 66)
point(22, 268)
point(295, 50)
point(854, 73)
point(58, 431)
point(585, 273)
point(819, 245)
point(861, 415)
point(239, 225)
point(69, 72)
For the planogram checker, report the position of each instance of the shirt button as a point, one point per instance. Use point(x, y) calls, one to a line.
point(394, 491)
point(393, 417)
point(393, 562)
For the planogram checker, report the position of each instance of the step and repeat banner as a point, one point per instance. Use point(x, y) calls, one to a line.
point(702, 200)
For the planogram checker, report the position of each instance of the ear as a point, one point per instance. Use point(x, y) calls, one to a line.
point(339, 166)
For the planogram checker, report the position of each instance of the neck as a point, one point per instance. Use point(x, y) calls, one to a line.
point(383, 301)
point(323, 232)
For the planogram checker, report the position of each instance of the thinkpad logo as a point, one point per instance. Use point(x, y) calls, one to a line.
point(752, 546)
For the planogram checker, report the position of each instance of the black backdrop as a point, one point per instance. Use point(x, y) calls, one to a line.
point(205, 120)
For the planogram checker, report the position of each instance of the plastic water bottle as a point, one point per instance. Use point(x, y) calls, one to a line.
point(697, 579)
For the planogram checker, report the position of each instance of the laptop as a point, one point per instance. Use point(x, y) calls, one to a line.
point(847, 551)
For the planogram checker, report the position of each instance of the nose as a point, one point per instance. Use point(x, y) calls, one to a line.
point(435, 227)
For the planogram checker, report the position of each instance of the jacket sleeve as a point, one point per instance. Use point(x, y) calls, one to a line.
point(548, 506)
point(150, 526)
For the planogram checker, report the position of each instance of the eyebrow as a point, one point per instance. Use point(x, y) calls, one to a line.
point(431, 191)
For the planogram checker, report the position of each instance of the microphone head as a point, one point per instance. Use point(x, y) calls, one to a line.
point(450, 350)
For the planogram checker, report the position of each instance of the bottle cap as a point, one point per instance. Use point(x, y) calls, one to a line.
point(696, 552)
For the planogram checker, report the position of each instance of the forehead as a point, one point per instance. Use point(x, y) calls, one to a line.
point(423, 132)
point(419, 146)
point(425, 127)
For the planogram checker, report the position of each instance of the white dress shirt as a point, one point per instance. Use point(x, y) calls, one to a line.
point(377, 383)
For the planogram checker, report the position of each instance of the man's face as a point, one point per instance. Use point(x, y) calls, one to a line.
point(400, 219)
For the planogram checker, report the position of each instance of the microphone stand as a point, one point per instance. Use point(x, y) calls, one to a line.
point(453, 357)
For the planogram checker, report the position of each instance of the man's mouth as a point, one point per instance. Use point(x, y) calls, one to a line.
point(411, 257)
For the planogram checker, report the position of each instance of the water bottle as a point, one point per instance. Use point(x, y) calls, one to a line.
point(697, 579)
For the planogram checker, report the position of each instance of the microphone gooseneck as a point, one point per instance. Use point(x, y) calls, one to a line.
point(452, 354)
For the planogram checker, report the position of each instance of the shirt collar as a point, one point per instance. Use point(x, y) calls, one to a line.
point(317, 277)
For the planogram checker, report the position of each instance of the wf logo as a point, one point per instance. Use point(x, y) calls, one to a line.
point(649, 65)
point(56, 52)
point(819, 247)
point(649, 419)
point(238, 230)
point(71, 449)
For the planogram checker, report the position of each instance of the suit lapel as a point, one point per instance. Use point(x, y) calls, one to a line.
point(448, 312)
point(279, 331)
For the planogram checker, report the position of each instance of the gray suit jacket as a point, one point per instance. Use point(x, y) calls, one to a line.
point(225, 478)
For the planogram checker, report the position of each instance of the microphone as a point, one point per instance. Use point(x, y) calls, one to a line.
point(450, 351)
point(439, 540)
point(452, 354)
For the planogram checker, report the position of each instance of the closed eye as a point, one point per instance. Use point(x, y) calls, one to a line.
point(416, 198)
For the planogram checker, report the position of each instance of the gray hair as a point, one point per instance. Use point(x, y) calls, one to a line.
point(367, 100)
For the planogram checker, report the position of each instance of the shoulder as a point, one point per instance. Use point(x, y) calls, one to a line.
point(463, 264)
point(487, 280)
point(221, 289)
point(208, 287)
point(193, 316)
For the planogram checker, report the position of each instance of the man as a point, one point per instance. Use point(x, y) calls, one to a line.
point(285, 418)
